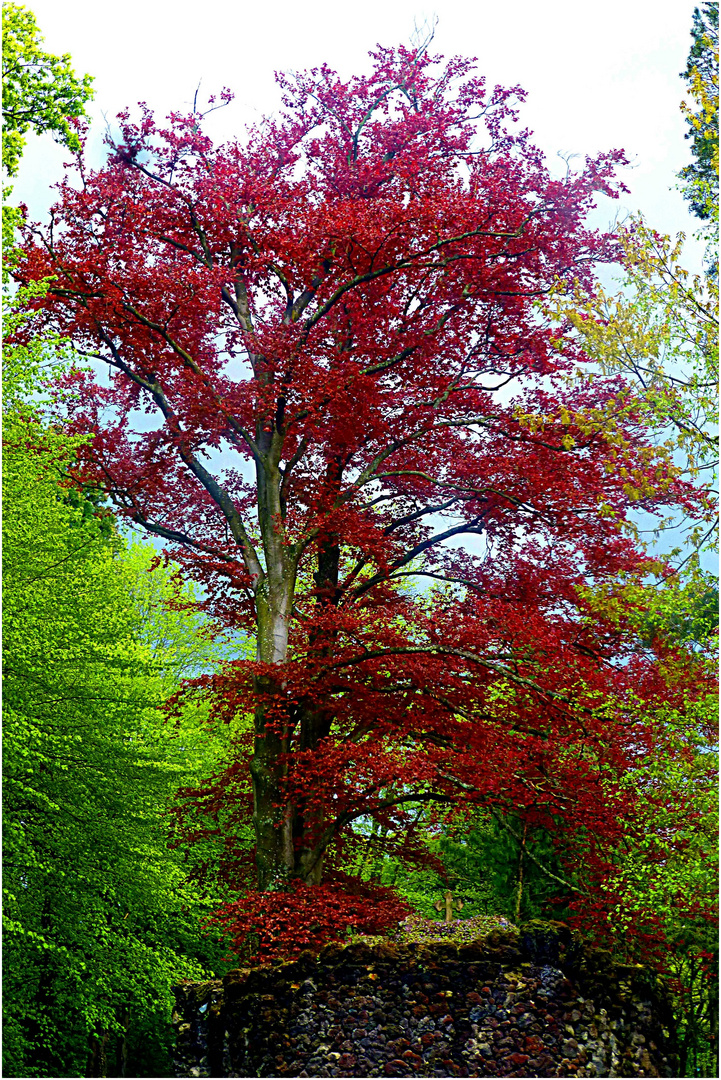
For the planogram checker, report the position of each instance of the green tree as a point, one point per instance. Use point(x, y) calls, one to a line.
point(504, 866)
point(659, 328)
point(659, 332)
point(99, 916)
point(666, 879)
point(100, 919)
point(701, 75)
point(662, 888)
point(495, 862)
point(41, 92)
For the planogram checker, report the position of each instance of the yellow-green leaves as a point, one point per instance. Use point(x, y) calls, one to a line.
point(99, 915)
point(659, 332)
point(40, 91)
point(701, 75)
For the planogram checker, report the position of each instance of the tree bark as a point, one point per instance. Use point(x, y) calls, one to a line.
point(274, 601)
point(98, 1061)
point(315, 724)
point(519, 894)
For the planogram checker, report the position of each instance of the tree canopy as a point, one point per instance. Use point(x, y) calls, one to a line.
point(41, 92)
point(99, 915)
point(701, 76)
point(335, 328)
point(660, 331)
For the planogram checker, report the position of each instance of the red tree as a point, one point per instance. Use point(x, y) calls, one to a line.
point(334, 327)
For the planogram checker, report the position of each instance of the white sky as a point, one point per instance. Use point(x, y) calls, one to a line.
point(599, 75)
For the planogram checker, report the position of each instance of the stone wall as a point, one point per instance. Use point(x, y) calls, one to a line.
point(534, 1004)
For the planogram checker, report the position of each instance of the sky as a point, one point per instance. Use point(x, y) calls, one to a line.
point(598, 76)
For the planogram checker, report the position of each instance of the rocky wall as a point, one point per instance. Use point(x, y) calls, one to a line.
point(534, 1004)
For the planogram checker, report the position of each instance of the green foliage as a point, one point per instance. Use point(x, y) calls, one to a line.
point(684, 611)
point(672, 871)
point(29, 365)
point(659, 331)
point(491, 862)
point(663, 884)
point(40, 91)
point(512, 868)
point(671, 867)
point(99, 917)
point(701, 76)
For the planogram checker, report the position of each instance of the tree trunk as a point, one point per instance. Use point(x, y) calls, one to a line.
point(98, 1060)
point(519, 894)
point(121, 1064)
point(310, 819)
point(269, 768)
point(272, 820)
point(287, 837)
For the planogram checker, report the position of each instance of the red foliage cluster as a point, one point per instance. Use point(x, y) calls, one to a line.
point(271, 925)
